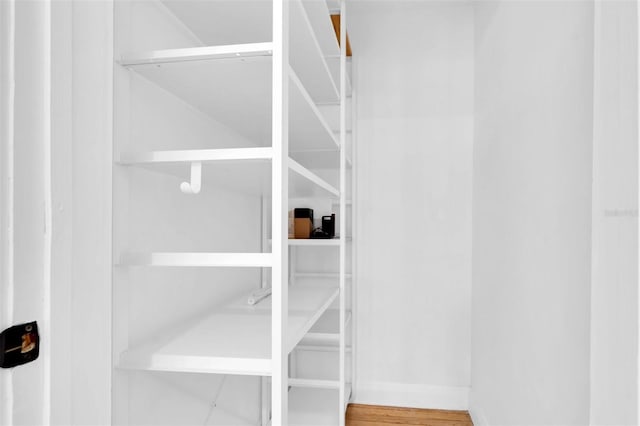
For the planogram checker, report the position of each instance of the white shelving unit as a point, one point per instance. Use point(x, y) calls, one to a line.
point(232, 112)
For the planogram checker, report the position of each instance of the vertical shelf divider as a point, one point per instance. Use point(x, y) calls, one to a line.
point(343, 205)
point(279, 214)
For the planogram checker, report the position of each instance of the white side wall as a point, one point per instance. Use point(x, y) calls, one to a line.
point(54, 275)
point(614, 283)
point(532, 213)
point(91, 293)
point(25, 184)
point(414, 77)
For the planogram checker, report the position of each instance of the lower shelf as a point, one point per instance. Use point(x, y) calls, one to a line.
point(316, 407)
point(232, 340)
point(314, 383)
point(326, 331)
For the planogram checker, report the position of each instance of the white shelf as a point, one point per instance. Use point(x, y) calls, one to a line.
point(313, 242)
point(319, 158)
point(246, 170)
point(208, 85)
point(197, 54)
point(306, 53)
point(327, 330)
point(317, 242)
point(202, 155)
point(320, 19)
point(333, 275)
point(314, 383)
point(334, 67)
point(232, 22)
point(300, 186)
point(316, 407)
point(321, 348)
point(240, 260)
point(233, 340)
point(313, 132)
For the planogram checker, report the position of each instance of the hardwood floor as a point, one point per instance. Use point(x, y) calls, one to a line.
point(370, 415)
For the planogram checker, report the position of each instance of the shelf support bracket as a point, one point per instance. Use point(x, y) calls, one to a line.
point(194, 186)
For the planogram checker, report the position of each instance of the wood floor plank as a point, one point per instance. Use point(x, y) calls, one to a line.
point(358, 409)
point(376, 415)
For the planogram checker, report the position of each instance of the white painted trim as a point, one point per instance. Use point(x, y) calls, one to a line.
point(342, 395)
point(638, 207)
point(47, 244)
point(7, 90)
point(595, 199)
point(279, 217)
point(477, 414)
point(61, 334)
point(354, 235)
point(413, 396)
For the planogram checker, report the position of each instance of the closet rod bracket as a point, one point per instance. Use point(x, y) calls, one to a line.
point(194, 186)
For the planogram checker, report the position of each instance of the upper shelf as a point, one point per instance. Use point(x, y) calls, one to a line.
point(229, 51)
point(249, 21)
point(315, 242)
point(233, 340)
point(244, 169)
point(236, 91)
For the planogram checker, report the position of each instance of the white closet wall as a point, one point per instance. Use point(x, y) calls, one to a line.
point(24, 193)
point(414, 77)
point(532, 212)
point(614, 241)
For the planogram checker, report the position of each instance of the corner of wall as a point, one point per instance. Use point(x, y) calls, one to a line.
point(413, 396)
point(476, 412)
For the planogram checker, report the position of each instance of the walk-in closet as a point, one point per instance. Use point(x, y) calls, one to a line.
point(319, 212)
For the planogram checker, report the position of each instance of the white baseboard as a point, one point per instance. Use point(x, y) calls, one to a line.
point(477, 414)
point(412, 396)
